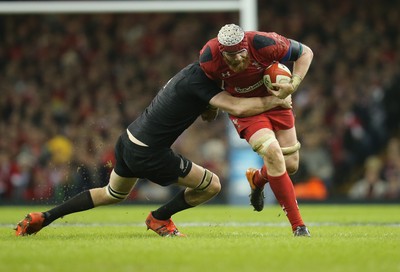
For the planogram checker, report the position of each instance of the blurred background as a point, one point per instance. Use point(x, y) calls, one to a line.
point(71, 83)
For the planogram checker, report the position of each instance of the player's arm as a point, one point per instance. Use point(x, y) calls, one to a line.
point(242, 107)
point(301, 55)
point(301, 66)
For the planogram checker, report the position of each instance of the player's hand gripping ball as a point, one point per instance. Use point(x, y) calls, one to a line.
point(276, 73)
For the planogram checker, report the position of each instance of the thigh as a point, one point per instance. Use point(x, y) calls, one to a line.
point(159, 165)
point(275, 120)
point(166, 167)
point(247, 126)
point(286, 137)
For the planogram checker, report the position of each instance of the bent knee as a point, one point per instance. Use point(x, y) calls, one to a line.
point(292, 164)
point(215, 185)
point(212, 188)
point(292, 169)
point(274, 155)
point(209, 183)
point(112, 196)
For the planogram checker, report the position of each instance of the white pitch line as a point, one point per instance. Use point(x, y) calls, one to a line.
point(220, 224)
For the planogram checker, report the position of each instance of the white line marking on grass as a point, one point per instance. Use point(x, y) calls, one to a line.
point(220, 224)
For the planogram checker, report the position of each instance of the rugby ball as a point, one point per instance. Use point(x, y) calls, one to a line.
point(276, 73)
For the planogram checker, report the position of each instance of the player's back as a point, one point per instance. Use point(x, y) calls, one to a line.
point(176, 106)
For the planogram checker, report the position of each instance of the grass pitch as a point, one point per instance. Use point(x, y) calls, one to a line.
point(220, 238)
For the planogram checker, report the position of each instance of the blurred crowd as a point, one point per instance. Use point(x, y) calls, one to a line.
point(70, 84)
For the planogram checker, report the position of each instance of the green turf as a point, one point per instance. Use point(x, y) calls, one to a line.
point(220, 238)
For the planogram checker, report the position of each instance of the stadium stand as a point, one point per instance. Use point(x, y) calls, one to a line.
point(71, 83)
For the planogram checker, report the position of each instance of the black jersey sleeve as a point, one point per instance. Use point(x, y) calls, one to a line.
point(202, 86)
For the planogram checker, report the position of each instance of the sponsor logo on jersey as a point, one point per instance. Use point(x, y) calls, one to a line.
point(227, 74)
point(250, 88)
point(184, 165)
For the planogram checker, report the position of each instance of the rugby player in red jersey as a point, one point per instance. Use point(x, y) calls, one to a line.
point(236, 60)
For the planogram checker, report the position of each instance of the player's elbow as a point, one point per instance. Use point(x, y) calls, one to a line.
point(308, 52)
point(235, 106)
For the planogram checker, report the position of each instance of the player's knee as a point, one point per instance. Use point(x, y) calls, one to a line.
point(113, 196)
point(292, 163)
point(210, 183)
point(268, 148)
point(266, 145)
point(292, 169)
point(291, 158)
point(215, 185)
point(274, 154)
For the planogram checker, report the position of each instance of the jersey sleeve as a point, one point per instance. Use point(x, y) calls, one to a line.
point(203, 87)
point(294, 52)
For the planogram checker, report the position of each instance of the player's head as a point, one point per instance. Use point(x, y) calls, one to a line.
point(231, 38)
point(233, 46)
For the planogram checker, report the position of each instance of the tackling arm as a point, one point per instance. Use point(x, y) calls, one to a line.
point(243, 107)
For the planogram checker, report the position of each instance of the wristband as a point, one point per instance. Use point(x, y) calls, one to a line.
point(295, 81)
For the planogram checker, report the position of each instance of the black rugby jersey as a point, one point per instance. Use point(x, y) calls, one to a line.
point(176, 106)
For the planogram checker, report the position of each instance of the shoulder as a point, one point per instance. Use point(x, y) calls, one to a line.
point(259, 40)
point(195, 79)
point(209, 49)
point(210, 56)
point(267, 46)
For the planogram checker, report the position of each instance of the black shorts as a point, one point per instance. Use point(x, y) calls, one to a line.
point(159, 165)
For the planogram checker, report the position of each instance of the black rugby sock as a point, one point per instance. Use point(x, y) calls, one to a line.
point(177, 204)
point(81, 202)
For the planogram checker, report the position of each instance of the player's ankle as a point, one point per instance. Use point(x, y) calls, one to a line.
point(259, 180)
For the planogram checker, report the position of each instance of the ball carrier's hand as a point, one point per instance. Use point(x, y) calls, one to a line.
point(283, 90)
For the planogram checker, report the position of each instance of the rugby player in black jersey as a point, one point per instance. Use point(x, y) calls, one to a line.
point(144, 151)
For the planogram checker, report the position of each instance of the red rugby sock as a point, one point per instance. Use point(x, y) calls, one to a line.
point(260, 177)
point(283, 189)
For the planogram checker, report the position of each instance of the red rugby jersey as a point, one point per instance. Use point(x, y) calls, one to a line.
point(263, 48)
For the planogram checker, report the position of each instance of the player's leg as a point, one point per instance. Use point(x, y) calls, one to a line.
point(257, 178)
point(290, 147)
point(262, 131)
point(201, 186)
point(267, 146)
point(117, 190)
